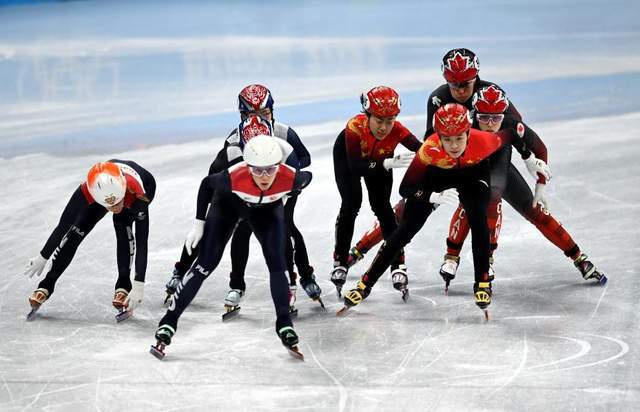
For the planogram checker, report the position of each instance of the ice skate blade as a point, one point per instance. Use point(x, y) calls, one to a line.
point(603, 279)
point(157, 351)
point(295, 352)
point(343, 311)
point(123, 315)
point(231, 312)
point(319, 300)
point(32, 314)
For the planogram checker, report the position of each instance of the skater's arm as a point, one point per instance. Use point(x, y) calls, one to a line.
point(142, 242)
point(304, 158)
point(411, 142)
point(208, 186)
point(412, 182)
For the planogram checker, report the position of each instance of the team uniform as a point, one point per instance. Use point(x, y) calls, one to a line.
point(359, 155)
point(434, 170)
point(296, 250)
point(234, 197)
point(80, 216)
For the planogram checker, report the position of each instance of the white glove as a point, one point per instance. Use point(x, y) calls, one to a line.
point(446, 197)
point(399, 160)
point(35, 266)
point(194, 235)
point(535, 166)
point(539, 196)
point(134, 299)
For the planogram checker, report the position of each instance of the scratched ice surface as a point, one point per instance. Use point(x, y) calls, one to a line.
point(156, 82)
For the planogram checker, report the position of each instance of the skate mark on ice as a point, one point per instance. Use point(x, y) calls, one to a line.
point(529, 317)
point(518, 370)
point(585, 347)
point(341, 389)
point(624, 348)
point(599, 301)
point(6, 386)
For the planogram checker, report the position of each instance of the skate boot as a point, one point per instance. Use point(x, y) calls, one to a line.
point(232, 303)
point(290, 340)
point(589, 270)
point(448, 270)
point(172, 284)
point(37, 298)
point(312, 289)
point(119, 302)
point(357, 295)
point(400, 280)
point(293, 312)
point(119, 298)
point(163, 338)
point(338, 277)
point(354, 256)
point(482, 293)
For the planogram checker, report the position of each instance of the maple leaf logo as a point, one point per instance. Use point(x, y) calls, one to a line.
point(458, 63)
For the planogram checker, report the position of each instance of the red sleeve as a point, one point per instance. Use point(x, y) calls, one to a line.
point(85, 192)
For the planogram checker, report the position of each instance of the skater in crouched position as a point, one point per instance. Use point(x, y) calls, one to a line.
point(490, 105)
point(364, 150)
point(123, 188)
point(255, 104)
point(251, 191)
point(453, 157)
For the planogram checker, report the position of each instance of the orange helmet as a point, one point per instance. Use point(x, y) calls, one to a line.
point(106, 183)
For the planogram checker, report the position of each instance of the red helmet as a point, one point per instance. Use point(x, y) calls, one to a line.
point(254, 97)
point(490, 99)
point(254, 126)
point(381, 101)
point(460, 65)
point(452, 119)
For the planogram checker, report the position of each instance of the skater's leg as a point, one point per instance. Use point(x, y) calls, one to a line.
point(239, 255)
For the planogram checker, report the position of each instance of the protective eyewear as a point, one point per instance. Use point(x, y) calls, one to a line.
point(263, 170)
point(461, 85)
point(487, 118)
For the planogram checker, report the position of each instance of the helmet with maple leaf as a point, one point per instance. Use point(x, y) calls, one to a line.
point(490, 99)
point(460, 65)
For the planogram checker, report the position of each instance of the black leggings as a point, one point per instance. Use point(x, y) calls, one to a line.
point(379, 189)
point(268, 225)
point(473, 188)
point(77, 220)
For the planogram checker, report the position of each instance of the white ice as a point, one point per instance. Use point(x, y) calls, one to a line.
point(554, 342)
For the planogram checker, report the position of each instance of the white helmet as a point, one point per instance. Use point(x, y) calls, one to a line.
point(106, 183)
point(262, 151)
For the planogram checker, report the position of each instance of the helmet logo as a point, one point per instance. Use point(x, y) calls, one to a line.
point(381, 101)
point(110, 200)
point(254, 126)
point(460, 67)
point(256, 95)
point(459, 63)
point(490, 99)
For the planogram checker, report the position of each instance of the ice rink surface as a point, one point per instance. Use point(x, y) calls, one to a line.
point(156, 82)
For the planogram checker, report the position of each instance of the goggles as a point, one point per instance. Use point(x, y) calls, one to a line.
point(262, 113)
point(460, 85)
point(487, 118)
point(264, 170)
